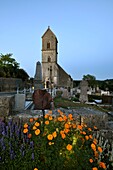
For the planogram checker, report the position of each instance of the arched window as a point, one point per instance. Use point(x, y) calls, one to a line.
point(49, 59)
point(48, 45)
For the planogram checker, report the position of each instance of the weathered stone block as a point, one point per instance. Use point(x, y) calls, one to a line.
point(6, 105)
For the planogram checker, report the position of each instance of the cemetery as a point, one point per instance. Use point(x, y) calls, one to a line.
point(51, 124)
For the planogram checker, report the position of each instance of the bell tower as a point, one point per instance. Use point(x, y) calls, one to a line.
point(49, 58)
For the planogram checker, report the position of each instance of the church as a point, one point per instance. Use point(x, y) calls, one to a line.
point(53, 75)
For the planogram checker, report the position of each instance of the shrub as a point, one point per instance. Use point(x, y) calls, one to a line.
point(55, 143)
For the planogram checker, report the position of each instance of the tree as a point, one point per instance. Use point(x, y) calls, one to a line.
point(8, 65)
point(21, 73)
point(91, 80)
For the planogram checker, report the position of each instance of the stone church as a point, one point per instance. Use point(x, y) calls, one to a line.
point(52, 73)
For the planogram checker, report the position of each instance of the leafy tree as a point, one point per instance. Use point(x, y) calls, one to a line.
point(21, 73)
point(8, 65)
point(91, 80)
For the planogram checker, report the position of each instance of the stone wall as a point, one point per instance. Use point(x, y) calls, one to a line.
point(6, 105)
point(10, 84)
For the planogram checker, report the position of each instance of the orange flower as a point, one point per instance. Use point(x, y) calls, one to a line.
point(93, 146)
point(34, 127)
point(37, 132)
point(50, 111)
point(66, 130)
point(102, 165)
point(50, 118)
point(51, 143)
point(37, 124)
point(63, 135)
point(50, 137)
point(95, 141)
point(89, 129)
point(46, 116)
point(86, 137)
point(60, 119)
point(95, 127)
point(99, 149)
point(35, 118)
point(69, 147)
point(62, 131)
point(91, 160)
point(70, 116)
point(66, 125)
point(35, 169)
point(31, 119)
point(90, 136)
point(79, 127)
point(94, 168)
point(25, 125)
point(25, 130)
point(84, 133)
point(96, 154)
point(47, 122)
point(64, 117)
point(74, 126)
point(54, 134)
point(29, 135)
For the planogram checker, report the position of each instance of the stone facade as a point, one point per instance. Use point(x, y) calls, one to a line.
point(52, 73)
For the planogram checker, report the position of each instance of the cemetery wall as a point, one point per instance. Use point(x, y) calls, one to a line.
point(10, 84)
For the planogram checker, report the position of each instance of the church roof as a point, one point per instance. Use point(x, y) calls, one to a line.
point(50, 31)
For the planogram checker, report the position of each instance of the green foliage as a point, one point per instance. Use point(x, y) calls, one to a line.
point(91, 80)
point(61, 144)
point(10, 68)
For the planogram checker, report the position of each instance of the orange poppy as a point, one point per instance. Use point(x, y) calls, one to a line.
point(86, 137)
point(63, 135)
point(25, 130)
point(35, 169)
point(60, 119)
point(47, 122)
point(94, 168)
point(84, 133)
point(93, 146)
point(99, 149)
point(50, 118)
point(91, 160)
point(37, 132)
point(34, 127)
point(54, 134)
point(69, 147)
point(102, 165)
point(25, 125)
point(66, 125)
point(79, 127)
point(50, 137)
point(37, 124)
point(29, 135)
point(31, 119)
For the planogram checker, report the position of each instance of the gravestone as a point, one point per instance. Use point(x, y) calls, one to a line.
point(65, 93)
point(83, 94)
point(38, 77)
point(19, 102)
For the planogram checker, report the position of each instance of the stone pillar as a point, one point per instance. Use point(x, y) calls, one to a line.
point(19, 102)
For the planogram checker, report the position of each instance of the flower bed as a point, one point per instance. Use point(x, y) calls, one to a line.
point(55, 143)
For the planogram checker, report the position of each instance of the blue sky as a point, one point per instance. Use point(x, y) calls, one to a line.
point(84, 29)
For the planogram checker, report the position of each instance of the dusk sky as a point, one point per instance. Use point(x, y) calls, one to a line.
point(84, 29)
